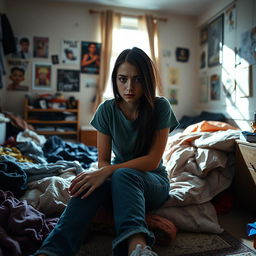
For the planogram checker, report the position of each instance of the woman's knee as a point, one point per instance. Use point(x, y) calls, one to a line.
point(124, 174)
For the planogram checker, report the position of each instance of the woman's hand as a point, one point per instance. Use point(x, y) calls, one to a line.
point(87, 181)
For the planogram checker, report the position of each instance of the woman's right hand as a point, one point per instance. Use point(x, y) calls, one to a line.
point(87, 181)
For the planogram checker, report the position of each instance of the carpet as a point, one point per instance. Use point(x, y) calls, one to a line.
point(185, 244)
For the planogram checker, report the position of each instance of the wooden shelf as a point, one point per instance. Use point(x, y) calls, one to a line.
point(32, 116)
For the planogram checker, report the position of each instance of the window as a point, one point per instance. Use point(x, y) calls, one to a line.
point(130, 33)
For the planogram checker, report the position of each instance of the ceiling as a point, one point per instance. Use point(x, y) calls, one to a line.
point(186, 7)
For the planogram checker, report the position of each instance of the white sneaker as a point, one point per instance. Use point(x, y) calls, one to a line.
point(146, 251)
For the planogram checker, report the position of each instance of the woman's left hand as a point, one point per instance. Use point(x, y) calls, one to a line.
point(87, 181)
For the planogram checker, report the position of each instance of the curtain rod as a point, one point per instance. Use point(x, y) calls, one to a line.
point(130, 15)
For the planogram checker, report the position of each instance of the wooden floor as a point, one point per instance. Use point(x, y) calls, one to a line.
point(235, 223)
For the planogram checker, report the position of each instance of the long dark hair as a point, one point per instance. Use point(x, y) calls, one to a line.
point(146, 109)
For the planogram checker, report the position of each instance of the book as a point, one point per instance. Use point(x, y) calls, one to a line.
point(248, 136)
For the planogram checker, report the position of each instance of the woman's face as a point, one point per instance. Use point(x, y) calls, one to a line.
point(129, 83)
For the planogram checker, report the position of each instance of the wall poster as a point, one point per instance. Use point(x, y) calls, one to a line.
point(215, 33)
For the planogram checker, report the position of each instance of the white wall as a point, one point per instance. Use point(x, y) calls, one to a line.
point(180, 31)
point(241, 109)
point(59, 21)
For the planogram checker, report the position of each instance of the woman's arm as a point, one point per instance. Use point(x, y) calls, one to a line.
point(144, 163)
point(90, 181)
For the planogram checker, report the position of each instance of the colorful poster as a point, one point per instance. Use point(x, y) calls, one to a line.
point(90, 57)
point(41, 47)
point(70, 52)
point(215, 87)
point(42, 76)
point(23, 48)
point(18, 75)
point(68, 80)
point(173, 96)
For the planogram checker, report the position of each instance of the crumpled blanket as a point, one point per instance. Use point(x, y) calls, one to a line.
point(22, 228)
point(200, 165)
point(57, 149)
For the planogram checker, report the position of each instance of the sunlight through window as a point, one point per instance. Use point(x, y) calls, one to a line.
point(128, 35)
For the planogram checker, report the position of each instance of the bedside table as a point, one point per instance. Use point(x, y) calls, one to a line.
point(245, 174)
point(88, 136)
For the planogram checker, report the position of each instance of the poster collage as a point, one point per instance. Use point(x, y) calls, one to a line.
point(217, 78)
point(24, 65)
point(181, 55)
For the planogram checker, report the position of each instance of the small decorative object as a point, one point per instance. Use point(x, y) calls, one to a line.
point(215, 41)
point(182, 54)
point(55, 59)
point(251, 231)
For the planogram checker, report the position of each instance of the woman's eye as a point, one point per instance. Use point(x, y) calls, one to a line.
point(122, 79)
point(138, 80)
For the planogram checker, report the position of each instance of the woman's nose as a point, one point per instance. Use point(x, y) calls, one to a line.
point(129, 85)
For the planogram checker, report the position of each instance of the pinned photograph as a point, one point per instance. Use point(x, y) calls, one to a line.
point(41, 76)
point(23, 48)
point(174, 75)
point(68, 80)
point(173, 96)
point(41, 47)
point(18, 75)
point(70, 52)
point(215, 87)
point(90, 57)
point(203, 88)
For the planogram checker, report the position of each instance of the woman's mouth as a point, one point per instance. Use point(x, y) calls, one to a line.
point(130, 95)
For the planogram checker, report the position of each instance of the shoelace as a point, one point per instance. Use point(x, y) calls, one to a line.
point(146, 251)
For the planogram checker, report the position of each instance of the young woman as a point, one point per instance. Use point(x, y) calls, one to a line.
point(135, 126)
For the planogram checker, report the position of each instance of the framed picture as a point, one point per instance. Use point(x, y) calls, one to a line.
point(68, 80)
point(41, 76)
point(182, 54)
point(215, 41)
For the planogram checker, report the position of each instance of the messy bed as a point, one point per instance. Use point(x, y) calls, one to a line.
point(35, 173)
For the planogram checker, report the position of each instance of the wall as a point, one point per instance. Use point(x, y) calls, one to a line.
point(236, 107)
point(2, 10)
point(60, 21)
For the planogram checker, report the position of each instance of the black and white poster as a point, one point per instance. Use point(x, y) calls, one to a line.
point(68, 80)
point(70, 52)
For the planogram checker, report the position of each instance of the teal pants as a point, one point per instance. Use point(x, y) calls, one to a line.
point(132, 193)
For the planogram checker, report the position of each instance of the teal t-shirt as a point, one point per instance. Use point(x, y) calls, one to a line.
point(110, 120)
